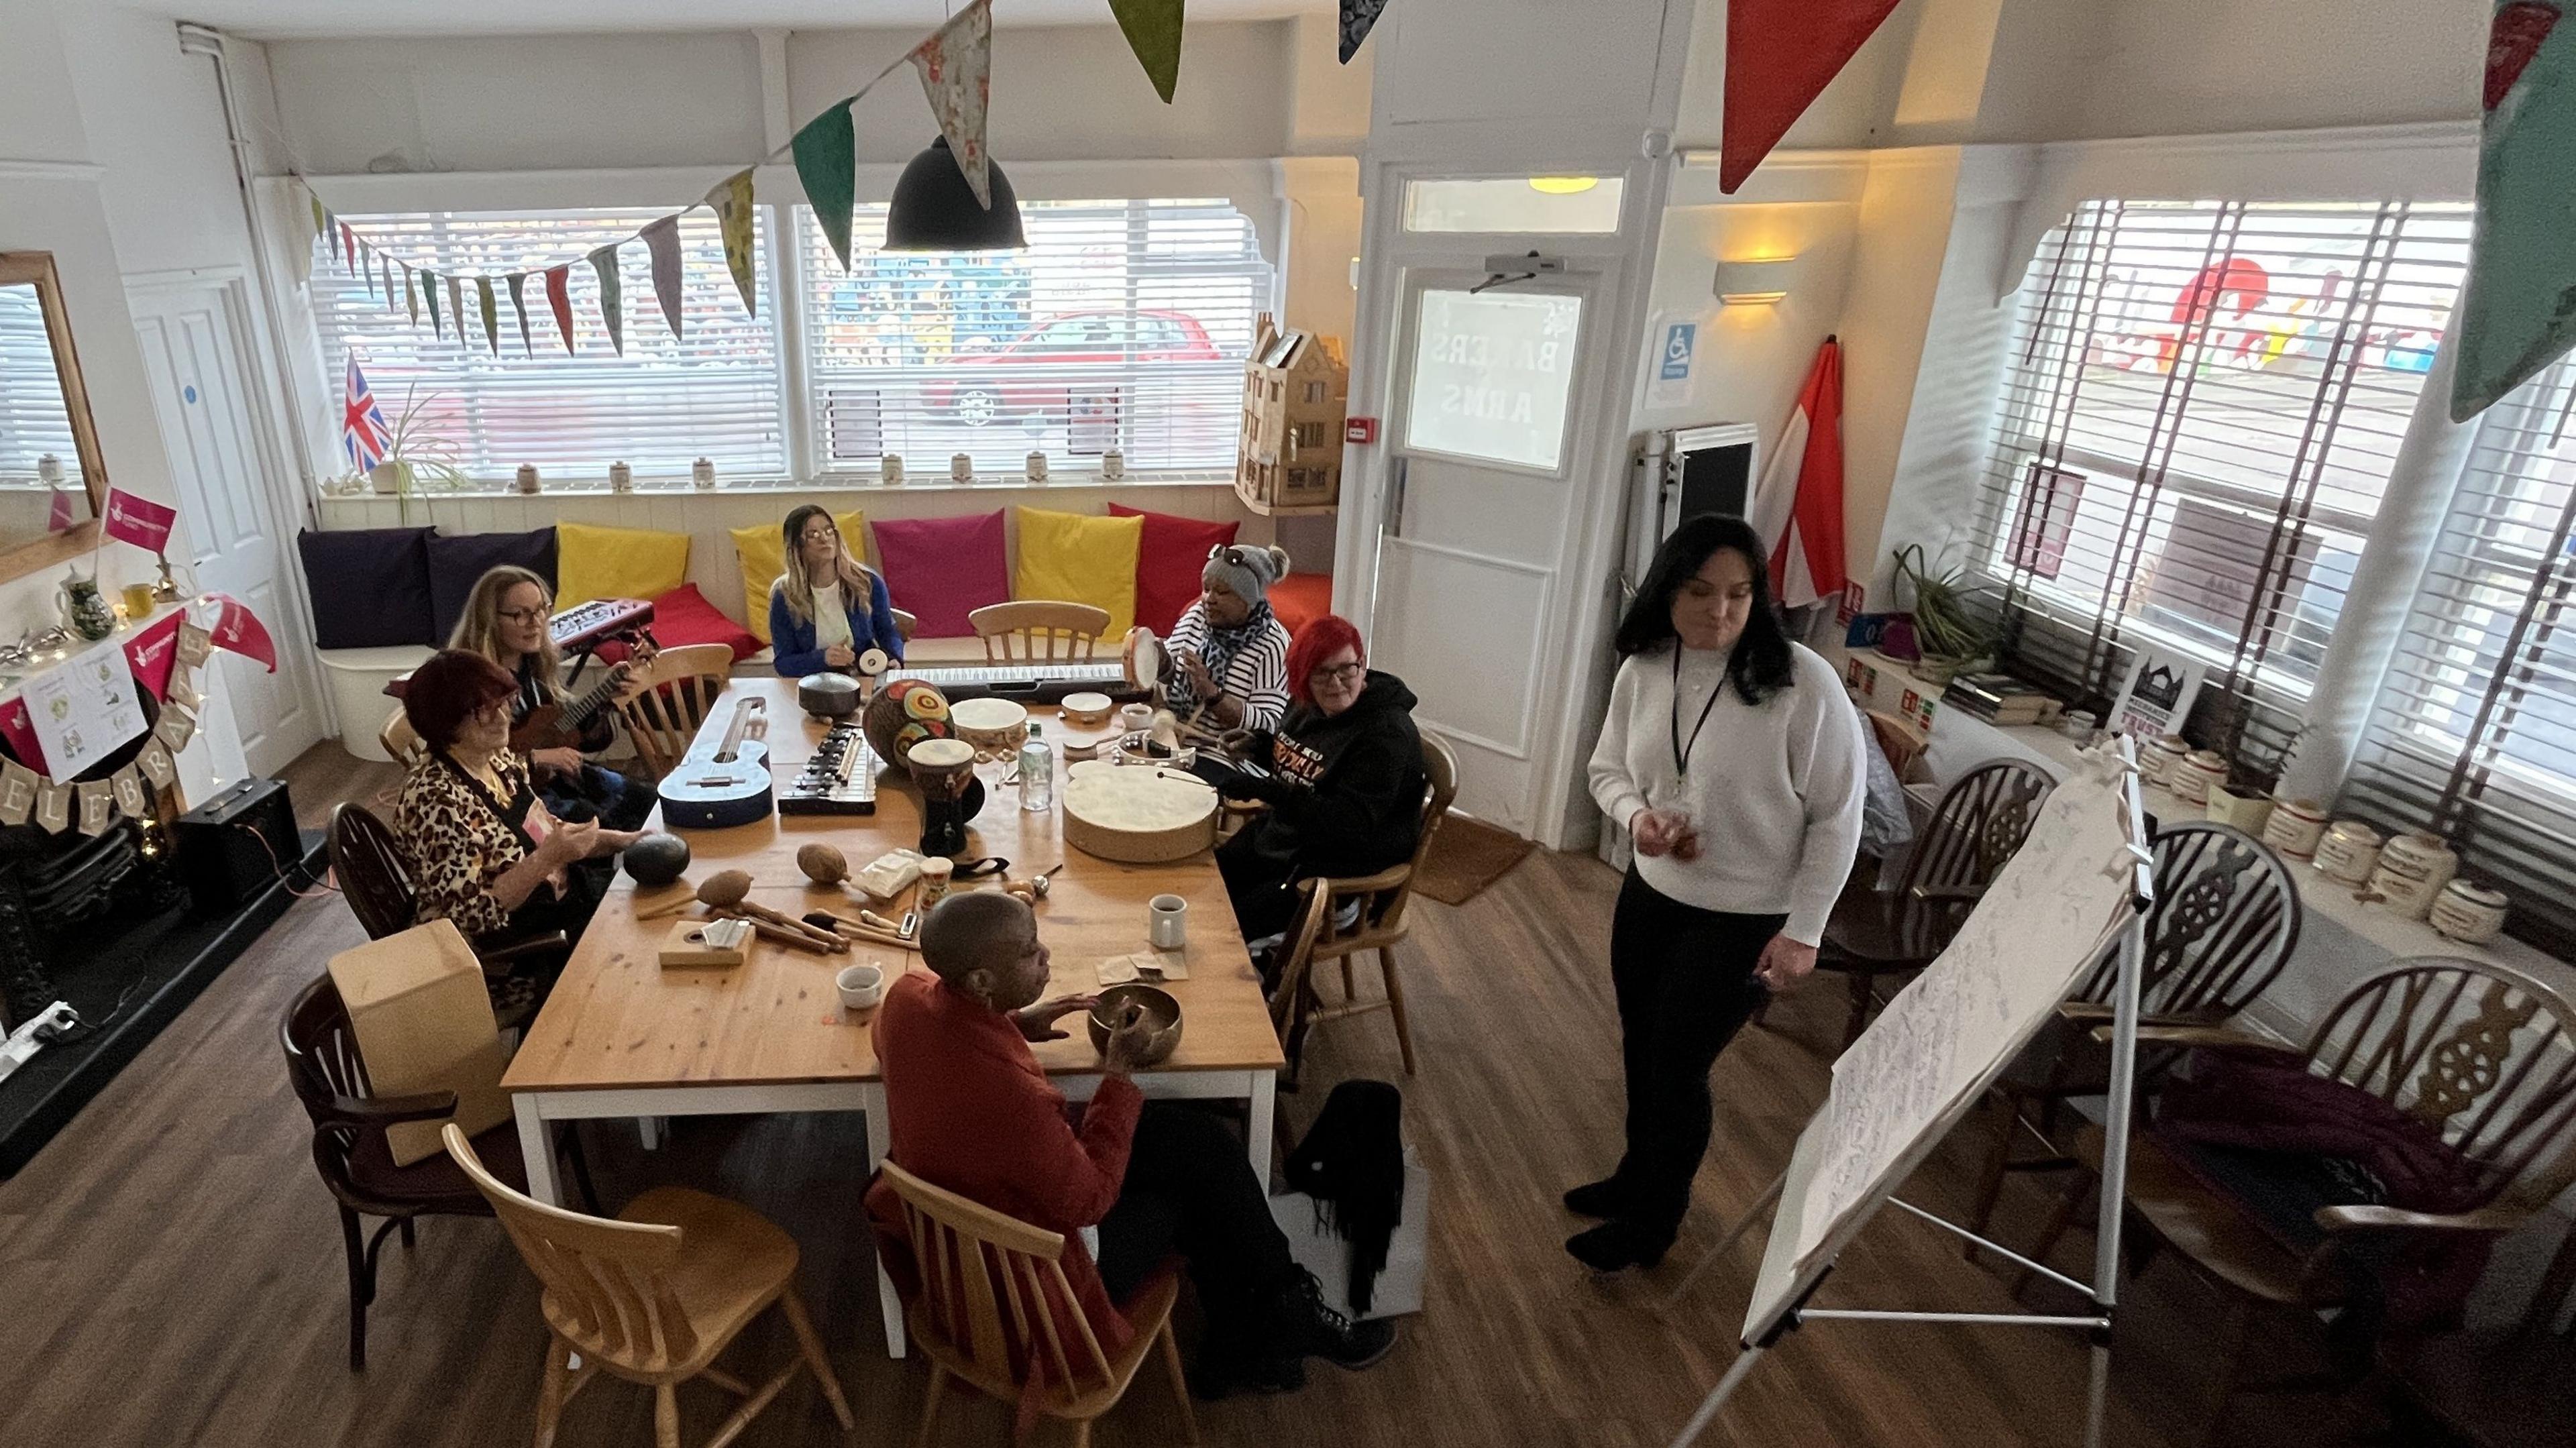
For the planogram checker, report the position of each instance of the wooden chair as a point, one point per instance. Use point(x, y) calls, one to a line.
point(402, 741)
point(958, 1316)
point(1038, 630)
point(905, 624)
point(1292, 995)
point(655, 1296)
point(1875, 934)
point(2480, 1052)
point(669, 698)
point(352, 1157)
point(375, 879)
point(2225, 920)
point(1379, 922)
point(2509, 1386)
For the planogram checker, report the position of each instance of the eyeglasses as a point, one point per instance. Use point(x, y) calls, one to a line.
point(812, 535)
point(522, 615)
point(1350, 673)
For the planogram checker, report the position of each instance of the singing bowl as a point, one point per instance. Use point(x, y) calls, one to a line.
point(1138, 748)
point(828, 695)
point(1086, 711)
point(903, 714)
point(1160, 1009)
point(656, 859)
point(995, 727)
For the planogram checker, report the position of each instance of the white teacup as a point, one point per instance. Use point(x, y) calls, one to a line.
point(1167, 922)
point(862, 986)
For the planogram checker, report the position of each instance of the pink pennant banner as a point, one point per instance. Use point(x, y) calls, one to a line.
point(559, 298)
point(239, 631)
point(151, 653)
point(58, 513)
point(139, 521)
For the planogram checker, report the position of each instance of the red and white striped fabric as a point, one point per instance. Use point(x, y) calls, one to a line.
point(1798, 508)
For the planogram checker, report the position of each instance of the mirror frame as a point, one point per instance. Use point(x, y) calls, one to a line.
point(37, 267)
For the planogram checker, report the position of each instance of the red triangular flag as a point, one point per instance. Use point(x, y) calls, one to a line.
point(559, 297)
point(238, 630)
point(1798, 509)
point(348, 246)
point(1780, 55)
point(139, 521)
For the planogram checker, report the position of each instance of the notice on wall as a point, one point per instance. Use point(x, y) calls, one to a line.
point(2157, 696)
point(84, 708)
point(1492, 372)
point(1676, 346)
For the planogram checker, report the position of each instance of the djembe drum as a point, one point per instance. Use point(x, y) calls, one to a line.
point(943, 769)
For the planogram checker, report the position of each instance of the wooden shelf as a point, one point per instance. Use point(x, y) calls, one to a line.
point(1293, 510)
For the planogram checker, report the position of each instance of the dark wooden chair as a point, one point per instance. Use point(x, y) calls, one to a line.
point(2511, 1386)
point(2225, 919)
point(1292, 991)
point(2483, 1053)
point(1877, 935)
point(375, 879)
point(354, 1160)
point(1377, 923)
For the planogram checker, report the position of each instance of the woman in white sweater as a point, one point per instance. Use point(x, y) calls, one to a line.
point(1734, 761)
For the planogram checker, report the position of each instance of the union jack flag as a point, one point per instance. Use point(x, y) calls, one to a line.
point(363, 434)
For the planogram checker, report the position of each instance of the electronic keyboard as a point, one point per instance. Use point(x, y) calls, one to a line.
point(1026, 683)
point(841, 778)
point(585, 624)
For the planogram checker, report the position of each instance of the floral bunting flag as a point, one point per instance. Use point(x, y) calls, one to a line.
point(411, 293)
point(826, 163)
point(348, 248)
point(662, 247)
point(1358, 18)
point(429, 288)
point(2517, 313)
point(321, 218)
point(732, 203)
point(612, 296)
point(491, 313)
point(97, 806)
point(956, 66)
point(456, 305)
point(1153, 29)
point(53, 806)
point(389, 279)
point(559, 297)
point(519, 303)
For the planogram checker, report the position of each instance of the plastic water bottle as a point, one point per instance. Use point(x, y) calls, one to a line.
point(1037, 772)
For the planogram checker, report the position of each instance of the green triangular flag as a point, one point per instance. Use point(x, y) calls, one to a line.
point(411, 293)
point(827, 155)
point(456, 306)
point(429, 289)
point(612, 297)
point(2517, 312)
point(732, 202)
point(321, 218)
point(519, 304)
point(491, 313)
point(1154, 32)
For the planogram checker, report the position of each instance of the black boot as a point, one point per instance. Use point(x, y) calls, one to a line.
point(1603, 1198)
point(1617, 1245)
point(1307, 1327)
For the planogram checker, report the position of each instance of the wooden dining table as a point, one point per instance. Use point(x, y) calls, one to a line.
point(623, 1036)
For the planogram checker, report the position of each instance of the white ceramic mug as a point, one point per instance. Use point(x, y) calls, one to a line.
point(1166, 922)
point(862, 986)
point(1133, 717)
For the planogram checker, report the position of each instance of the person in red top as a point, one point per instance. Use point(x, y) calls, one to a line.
point(970, 1110)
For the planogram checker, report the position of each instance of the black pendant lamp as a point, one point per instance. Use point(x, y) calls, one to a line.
point(935, 210)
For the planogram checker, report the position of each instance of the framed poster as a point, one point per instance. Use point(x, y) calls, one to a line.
point(2157, 695)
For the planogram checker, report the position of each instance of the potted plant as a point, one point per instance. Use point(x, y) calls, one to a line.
point(1950, 638)
point(415, 455)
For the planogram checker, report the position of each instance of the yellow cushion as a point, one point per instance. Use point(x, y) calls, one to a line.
point(593, 562)
point(762, 551)
point(1080, 559)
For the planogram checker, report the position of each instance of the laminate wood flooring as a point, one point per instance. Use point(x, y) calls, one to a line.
point(170, 1269)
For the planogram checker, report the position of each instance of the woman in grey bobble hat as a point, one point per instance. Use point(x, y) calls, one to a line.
point(1230, 654)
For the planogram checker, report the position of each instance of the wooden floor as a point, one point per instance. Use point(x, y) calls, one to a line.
point(170, 1268)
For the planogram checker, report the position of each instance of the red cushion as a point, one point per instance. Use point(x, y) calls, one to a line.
point(1168, 562)
point(939, 570)
point(1301, 598)
point(682, 617)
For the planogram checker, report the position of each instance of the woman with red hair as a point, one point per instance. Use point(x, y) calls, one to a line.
point(1344, 781)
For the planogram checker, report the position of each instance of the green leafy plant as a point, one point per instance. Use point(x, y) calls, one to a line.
point(417, 459)
point(1951, 636)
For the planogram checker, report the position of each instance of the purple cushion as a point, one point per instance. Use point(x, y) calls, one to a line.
point(369, 586)
point(939, 570)
point(455, 564)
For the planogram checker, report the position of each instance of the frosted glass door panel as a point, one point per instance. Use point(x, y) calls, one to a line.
point(1491, 376)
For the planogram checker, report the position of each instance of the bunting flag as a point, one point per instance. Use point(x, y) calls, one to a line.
point(662, 249)
point(731, 201)
point(519, 303)
point(1780, 55)
point(456, 306)
point(1358, 18)
point(956, 66)
point(559, 297)
point(17, 792)
point(388, 263)
point(97, 806)
point(429, 287)
point(491, 314)
point(302, 255)
point(237, 630)
point(125, 787)
point(2518, 311)
point(612, 296)
point(1799, 507)
point(411, 293)
point(54, 807)
point(321, 218)
point(139, 521)
point(1153, 29)
point(155, 762)
point(58, 512)
point(348, 248)
point(826, 161)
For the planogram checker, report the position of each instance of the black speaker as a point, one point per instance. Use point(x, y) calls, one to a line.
point(235, 844)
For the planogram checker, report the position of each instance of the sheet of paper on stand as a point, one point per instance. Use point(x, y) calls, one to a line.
point(84, 708)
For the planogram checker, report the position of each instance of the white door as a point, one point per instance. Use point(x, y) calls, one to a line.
point(1489, 398)
point(195, 347)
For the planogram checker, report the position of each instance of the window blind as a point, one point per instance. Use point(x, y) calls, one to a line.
point(714, 392)
point(1123, 325)
point(2200, 411)
point(34, 420)
point(2473, 731)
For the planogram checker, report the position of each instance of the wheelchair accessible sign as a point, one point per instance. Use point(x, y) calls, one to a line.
point(1673, 365)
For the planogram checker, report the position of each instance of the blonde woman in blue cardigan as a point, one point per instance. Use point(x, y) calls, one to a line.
point(827, 608)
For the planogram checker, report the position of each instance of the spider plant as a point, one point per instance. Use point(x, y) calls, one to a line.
point(418, 459)
point(1952, 638)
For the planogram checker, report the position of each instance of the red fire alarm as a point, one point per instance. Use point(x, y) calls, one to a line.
point(1361, 430)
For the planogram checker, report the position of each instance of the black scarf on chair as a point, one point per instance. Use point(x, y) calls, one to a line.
point(1352, 1163)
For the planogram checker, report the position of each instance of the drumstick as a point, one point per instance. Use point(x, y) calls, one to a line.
point(785, 936)
point(850, 929)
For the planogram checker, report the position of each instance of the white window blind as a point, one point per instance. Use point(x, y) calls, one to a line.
point(714, 392)
point(1123, 325)
point(2200, 411)
point(34, 420)
point(2473, 731)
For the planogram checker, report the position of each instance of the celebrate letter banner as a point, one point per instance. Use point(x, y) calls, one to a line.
point(1780, 55)
point(127, 786)
point(612, 297)
point(956, 65)
point(826, 161)
point(732, 203)
point(2518, 312)
point(149, 654)
point(155, 762)
point(559, 297)
point(238, 630)
point(1153, 30)
point(97, 805)
point(1358, 18)
point(54, 806)
point(175, 728)
point(519, 303)
point(139, 521)
point(17, 792)
point(662, 248)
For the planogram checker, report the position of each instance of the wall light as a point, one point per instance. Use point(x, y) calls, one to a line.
point(1754, 283)
point(1563, 185)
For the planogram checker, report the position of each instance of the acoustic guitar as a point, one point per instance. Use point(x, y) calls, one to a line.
point(559, 725)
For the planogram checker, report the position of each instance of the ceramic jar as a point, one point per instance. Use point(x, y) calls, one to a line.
point(1036, 467)
point(2296, 827)
point(2247, 812)
point(890, 469)
point(2413, 871)
point(702, 473)
point(2199, 772)
point(961, 468)
point(1113, 466)
point(2469, 912)
point(621, 478)
point(2349, 852)
point(528, 478)
point(2157, 758)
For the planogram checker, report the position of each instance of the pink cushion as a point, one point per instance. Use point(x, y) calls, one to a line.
point(682, 617)
point(1168, 562)
point(939, 570)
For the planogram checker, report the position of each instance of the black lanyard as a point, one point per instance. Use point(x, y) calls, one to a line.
point(1681, 750)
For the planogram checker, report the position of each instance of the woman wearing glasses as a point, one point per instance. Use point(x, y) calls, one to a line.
point(505, 620)
point(1230, 651)
point(827, 608)
point(1344, 781)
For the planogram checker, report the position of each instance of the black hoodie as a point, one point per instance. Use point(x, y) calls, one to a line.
point(1348, 797)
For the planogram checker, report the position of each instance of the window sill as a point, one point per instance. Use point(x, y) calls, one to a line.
point(829, 484)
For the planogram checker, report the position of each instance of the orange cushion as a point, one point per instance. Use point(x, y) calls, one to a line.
point(1301, 598)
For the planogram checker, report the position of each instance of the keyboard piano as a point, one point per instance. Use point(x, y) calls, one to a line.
point(581, 627)
point(841, 778)
point(1026, 683)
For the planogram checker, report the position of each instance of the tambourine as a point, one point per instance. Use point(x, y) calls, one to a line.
point(1143, 658)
